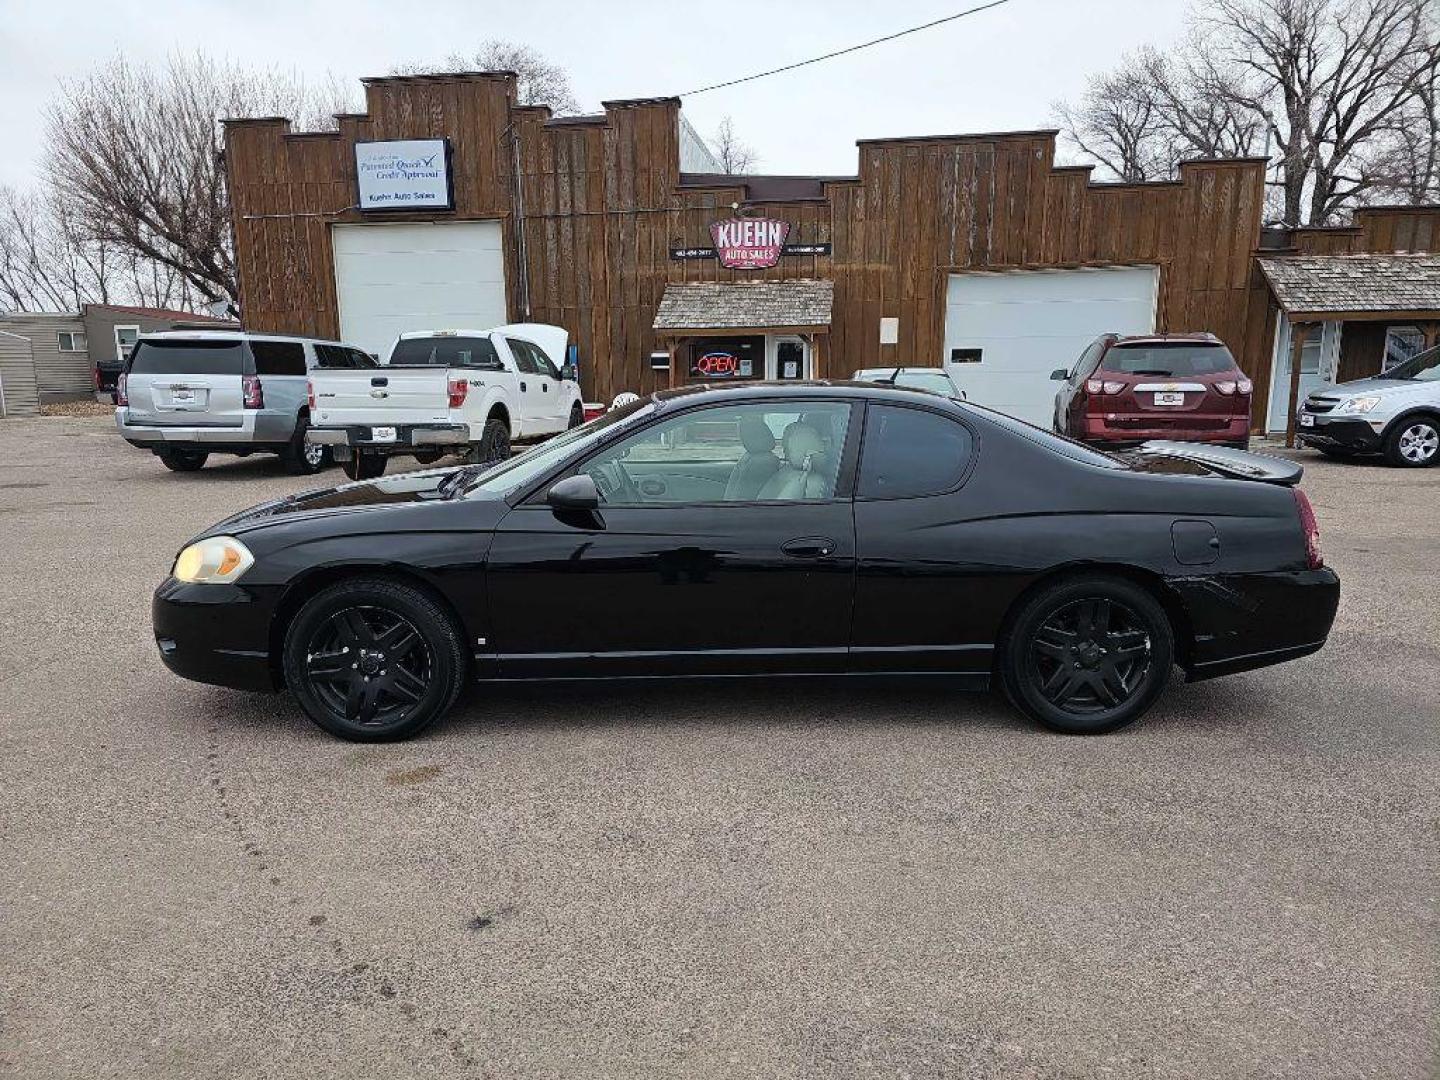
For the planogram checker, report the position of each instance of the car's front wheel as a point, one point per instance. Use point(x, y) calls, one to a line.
point(373, 660)
point(1414, 443)
point(1087, 655)
point(304, 458)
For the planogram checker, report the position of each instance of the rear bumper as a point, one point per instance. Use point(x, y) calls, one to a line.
point(1239, 622)
point(408, 437)
point(1119, 428)
point(257, 428)
point(216, 634)
point(1339, 432)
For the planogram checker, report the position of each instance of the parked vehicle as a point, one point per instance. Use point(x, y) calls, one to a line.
point(1396, 414)
point(934, 379)
point(1126, 390)
point(185, 395)
point(750, 530)
point(447, 391)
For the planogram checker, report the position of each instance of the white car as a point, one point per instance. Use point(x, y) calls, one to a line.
point(934, 379)
point(447, 391)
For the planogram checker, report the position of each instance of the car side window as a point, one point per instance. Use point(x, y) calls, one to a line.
point(524, 358)
point(911, 452)
point(786, 451)
point(1089, 360)
point(278, 357)
point(543, 364)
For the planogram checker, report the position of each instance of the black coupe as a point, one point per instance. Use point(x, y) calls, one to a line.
point(834, 529)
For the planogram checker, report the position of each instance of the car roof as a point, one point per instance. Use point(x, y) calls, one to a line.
point(1197, 338)
point(237, 335)
point(908, 370)
point(839, 389)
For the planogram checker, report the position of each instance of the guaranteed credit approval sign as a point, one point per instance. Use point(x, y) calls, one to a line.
point(404, 174)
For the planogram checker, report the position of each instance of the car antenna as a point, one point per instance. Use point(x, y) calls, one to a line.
point(890, 379)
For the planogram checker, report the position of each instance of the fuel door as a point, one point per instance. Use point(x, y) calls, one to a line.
point(1196, 542)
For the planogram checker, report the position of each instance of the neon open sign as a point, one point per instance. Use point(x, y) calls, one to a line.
point(718, 365)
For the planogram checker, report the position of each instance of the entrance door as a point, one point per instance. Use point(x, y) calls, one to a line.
point(789, 358)
point(1318, 358)
point(725, 544)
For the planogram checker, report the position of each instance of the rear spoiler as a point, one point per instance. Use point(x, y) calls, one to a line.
point(1240, 464)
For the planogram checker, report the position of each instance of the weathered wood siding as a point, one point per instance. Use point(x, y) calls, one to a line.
point(602, 207)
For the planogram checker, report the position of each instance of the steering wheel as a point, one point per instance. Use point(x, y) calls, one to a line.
point(615, 484)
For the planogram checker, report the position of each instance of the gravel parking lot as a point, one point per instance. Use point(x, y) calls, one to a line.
point(766, 880)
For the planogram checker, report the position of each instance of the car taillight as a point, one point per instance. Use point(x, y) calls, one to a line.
point(458, 389)
point(1313, 558)
point(252, 392)
point(122, 389)
point(1096, 386)
point(1093, 386)
point(1244, 386)
point(1231, 386)
point(310, 394)
point(1225, 387)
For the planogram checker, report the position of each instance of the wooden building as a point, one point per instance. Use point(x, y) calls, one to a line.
point(972, 250)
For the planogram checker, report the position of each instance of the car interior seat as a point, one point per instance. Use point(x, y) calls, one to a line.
point(804, 472)
point(757, 465)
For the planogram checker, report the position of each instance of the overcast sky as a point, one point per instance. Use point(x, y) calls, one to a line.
point(999, 70)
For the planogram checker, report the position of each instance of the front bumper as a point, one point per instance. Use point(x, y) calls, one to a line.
point(217, 634)
point(257, 428)
point(1239, 622)
point(1339, 432)
point(408, 438)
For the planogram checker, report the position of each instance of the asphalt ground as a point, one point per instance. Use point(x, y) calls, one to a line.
point(761, 880)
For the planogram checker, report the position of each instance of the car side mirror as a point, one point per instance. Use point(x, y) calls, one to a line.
point(576, 492)
point(1059, 375)
point(569, 374)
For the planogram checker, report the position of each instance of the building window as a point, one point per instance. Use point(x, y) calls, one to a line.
point(72, 342)
point(125, 339)
point(1311, 350)
point(1401, 343)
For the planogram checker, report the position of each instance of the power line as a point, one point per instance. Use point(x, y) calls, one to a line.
point(851, 49)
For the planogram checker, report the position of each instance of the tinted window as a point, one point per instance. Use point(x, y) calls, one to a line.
point(278, 357)
point(1086, 364)
point(524, 358)
point(1168, 361)
point(445, 352)
point(188, 358)
point(911, 452)
point(338, 356)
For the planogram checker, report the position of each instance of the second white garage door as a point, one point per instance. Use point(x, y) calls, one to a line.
point(394, 278)
point(1027, 323)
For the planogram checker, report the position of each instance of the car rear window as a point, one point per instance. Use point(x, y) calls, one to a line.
point(445, 352)
point(188, 358)
point(1168, 361)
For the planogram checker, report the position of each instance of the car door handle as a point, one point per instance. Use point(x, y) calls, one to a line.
point(522, 387)
point(809, 547)
point(544, 388)
point(379, 381)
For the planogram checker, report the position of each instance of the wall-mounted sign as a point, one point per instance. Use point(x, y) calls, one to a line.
point(749, 243)
point(682, 253)
point(405, 174)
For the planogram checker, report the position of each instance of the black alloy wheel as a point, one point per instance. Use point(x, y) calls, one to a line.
point(1088, 655)
point(494, 444)
point(373, 660)
point(577, 415)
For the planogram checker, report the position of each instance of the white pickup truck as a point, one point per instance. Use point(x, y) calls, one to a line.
point(446, 391)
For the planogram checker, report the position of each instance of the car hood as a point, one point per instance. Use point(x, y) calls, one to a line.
point(1377, 387)
point(387, 493)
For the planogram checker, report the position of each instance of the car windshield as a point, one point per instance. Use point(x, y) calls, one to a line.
point(1423, 367)
point(523, 468)
point(1168, 361)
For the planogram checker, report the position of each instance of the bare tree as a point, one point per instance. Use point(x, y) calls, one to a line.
point(735, 157)
point(1333, 89)
point(538, 81)
point(134, 158)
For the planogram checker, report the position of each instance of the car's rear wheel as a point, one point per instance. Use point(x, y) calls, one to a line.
point(1414, 443)
point(373, 660)
point(429, 457)
point(363, 466)
point(1087, 655)
point(178, 460)
point(577, 415)
point(494, 444)
point(304, 458)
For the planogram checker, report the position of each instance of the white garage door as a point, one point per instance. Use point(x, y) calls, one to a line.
point(394, 278)
point(1027, 323)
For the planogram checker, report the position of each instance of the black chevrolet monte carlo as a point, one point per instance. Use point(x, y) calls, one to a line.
point(832, 529)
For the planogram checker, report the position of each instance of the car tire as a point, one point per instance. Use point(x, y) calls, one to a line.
point(494, 444)
point(374, 660)
point(183, 460)
point(1086, 655)
point(429, 457)
point(1414, 442)
point(577, 416)
point(1337, 455)
point(363, 466)
point(302, 458)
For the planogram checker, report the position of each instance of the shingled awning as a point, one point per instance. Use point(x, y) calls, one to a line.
point(702, 307)
point(1314, 288)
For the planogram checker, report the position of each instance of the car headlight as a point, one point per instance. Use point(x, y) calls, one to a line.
point(1358, 404)
point(218, 560)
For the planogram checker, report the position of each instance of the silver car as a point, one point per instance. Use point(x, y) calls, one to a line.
point(1396, 414)
point(185, 395)
point(935, 379)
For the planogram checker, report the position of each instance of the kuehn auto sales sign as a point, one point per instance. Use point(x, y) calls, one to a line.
point(404, 174)
point(749, 243)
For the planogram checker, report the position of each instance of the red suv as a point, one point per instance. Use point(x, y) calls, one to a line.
point(1159, 386)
